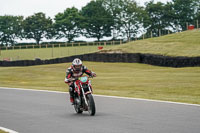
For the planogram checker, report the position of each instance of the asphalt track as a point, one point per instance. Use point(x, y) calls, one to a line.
point(47, 112)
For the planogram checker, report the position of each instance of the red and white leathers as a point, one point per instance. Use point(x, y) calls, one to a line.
point(71, 73)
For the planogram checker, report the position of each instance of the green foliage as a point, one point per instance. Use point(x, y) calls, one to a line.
point(160, 17)
point(67, 24)
point(184, 12)
point(10, 29)
point(127, 16)
point(97, 21)
point(37, 27)
point(113, 6)
point(131, 18)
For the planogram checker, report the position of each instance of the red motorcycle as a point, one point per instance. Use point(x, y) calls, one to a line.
point(83, 99)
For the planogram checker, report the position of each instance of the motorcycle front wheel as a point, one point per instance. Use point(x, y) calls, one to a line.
point(77, 107)
point(91, 105)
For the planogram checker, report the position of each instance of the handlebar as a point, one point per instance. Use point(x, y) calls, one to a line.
point(74, 79)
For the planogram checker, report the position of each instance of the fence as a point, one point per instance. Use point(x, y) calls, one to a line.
point(73, 44)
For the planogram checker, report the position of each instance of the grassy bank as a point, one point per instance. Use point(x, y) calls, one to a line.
point(47, 53)
point(119, 79)
point(179, 44)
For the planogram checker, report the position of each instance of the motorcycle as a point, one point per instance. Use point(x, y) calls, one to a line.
point(83, 99)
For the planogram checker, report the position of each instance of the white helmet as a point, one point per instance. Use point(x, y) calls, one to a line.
point(77, 64)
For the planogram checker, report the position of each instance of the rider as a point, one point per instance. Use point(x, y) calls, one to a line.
point(74, 71)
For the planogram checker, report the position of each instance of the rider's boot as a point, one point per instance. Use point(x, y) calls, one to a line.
point(72, 100)
point(71, 95)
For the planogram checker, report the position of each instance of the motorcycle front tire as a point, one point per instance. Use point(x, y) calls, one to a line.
point(91, 105)
point(77, 108)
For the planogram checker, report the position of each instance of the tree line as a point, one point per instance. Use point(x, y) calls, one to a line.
point(102, 18)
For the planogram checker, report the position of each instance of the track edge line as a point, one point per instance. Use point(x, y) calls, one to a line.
point(118, 97)
point(8, 130)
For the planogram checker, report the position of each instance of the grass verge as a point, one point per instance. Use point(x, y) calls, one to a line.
point(119, 79)
point(1, 131)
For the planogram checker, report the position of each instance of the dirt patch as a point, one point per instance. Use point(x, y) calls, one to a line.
point(118, 51)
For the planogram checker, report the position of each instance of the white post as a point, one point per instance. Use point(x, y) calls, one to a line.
point(159, 32)
point(187, 25)
point(52, 50)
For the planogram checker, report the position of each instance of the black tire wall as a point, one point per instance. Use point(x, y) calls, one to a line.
point(157, 60)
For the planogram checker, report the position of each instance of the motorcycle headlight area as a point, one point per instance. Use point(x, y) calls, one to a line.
point(83, 79)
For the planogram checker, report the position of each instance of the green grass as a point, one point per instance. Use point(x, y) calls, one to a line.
point(1, 131)
point(179, 44)
point(47, 53)
point(119, 79)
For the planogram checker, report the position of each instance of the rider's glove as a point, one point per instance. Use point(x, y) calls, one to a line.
point(93, 74)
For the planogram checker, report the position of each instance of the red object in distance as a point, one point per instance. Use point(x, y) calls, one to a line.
point(190, 27)
point(100, 48)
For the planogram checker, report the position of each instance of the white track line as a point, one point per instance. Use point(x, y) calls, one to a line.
point(7, 130)
point(139, 99)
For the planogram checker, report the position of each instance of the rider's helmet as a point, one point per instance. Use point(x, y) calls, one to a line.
point(77, 64)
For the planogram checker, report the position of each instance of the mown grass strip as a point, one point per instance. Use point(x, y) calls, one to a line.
point(118, 79)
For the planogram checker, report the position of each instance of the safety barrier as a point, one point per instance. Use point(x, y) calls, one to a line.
point(151, 59)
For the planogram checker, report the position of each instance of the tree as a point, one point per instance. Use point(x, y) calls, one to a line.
point(197, 13)
point(184, 11)
point(157, 17)
point(113, 6)
point(37, 27)
point(10, 29)
point(127, 16)
point(97, 21)
point(67, 24)
point(131, 17)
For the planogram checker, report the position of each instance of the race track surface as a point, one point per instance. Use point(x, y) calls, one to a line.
point(47, 112)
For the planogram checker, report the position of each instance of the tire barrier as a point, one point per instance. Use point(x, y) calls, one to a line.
point(157, 60)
